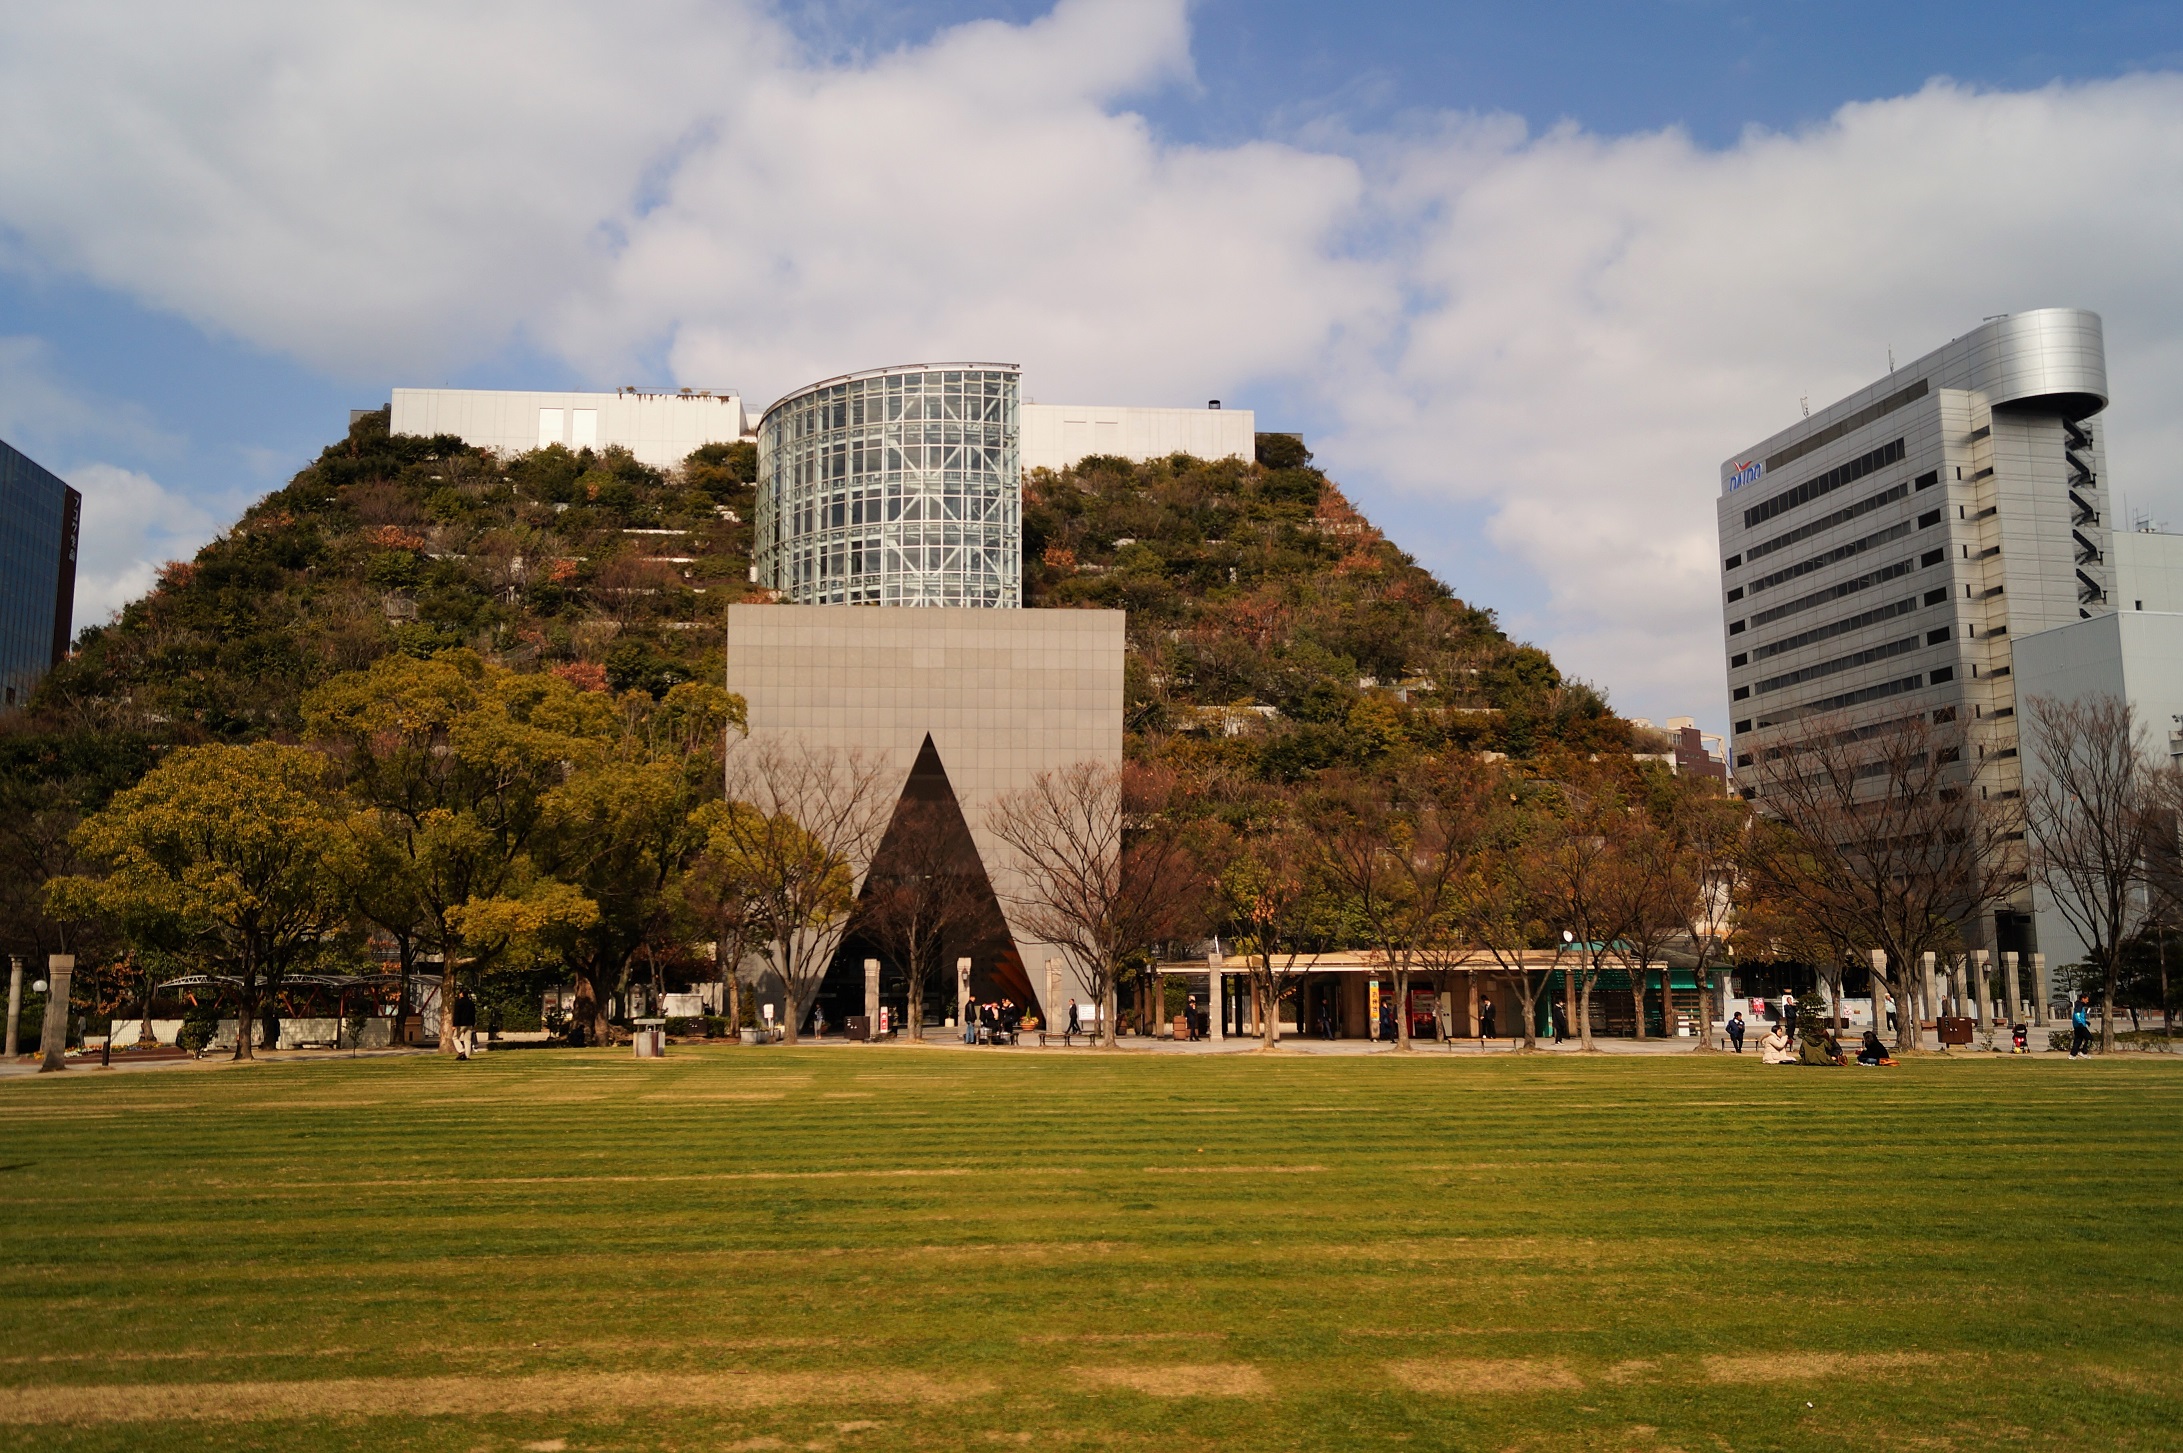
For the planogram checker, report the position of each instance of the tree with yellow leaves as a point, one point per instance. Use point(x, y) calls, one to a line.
point(231, 857)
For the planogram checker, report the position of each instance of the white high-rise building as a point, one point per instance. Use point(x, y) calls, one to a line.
point(1880, 557)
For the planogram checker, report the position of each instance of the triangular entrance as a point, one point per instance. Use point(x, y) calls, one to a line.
point(927, 864)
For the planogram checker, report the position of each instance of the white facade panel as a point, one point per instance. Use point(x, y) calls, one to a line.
point(1056, 436)
point(659, 429)
point(1004, 694)
point(2131, 654)
point(2148, 571)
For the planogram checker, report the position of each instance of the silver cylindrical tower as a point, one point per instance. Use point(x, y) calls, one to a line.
point(898, 486)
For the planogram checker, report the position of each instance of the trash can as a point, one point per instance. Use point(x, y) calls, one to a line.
point(1956, 1029)
point(858, 1027)
point(648, 1037)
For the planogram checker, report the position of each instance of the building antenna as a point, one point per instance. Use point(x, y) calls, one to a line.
point(1805, 403)
point(1891, 358)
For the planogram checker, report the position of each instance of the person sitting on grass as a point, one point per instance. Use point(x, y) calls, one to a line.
point(1812, 1045)
point(1872, 1052)
point(1775, 1048)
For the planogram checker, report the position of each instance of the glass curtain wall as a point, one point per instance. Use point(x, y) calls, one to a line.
point(902, 486)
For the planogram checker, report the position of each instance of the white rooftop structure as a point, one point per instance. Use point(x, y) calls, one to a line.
point(660, 429)
point(1056, 436)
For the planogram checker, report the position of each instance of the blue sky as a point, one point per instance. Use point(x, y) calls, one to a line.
point(1361, 220)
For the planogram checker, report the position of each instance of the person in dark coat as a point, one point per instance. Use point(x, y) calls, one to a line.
point(1071, 1026)
point(1485, 1020)
point(466, 1024)
point(1735, 1030)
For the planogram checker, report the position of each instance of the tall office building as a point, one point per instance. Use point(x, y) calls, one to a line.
point(39, 518)
point(1878, 557)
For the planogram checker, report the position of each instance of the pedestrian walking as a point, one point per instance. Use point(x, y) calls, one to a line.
point(2080, 1028)
point(1486, 1028)
point(1069, 1029)
point(466, 1024)
point(1735, 1030)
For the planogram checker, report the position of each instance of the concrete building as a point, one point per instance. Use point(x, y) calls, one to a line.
point(2134, 653)
point(1056, 436)
point(660, 429)
point(39, 519)
point(988, 698)
point(1881, 557)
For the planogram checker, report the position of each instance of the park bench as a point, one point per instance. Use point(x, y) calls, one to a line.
point(1087, 1025)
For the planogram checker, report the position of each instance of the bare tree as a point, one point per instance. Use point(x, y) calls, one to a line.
point(1503, 908)
point(1645, 891)
point(1276, 896)
point(815, 817)
point(1399, 855)
point(1103, 877)
point(924, 900)
point(2090, 800)
point(1709, 828)
point(1889, 843)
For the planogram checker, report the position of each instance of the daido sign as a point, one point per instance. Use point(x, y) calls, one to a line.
point(1746, 473)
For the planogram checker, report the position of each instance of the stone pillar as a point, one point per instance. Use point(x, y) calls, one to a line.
point(1158, 1016)
point(2043, 991)
point(871, 996)
point(1215, 1013)
point(1056, 1012)
point(1984, 988)
point(2012, 991)
point(1962, 987)
point(15, 1001)
point(53, 1039)
point(1932, 987)
point(962, 993)
point(1474, 1025)
point(1879, 992)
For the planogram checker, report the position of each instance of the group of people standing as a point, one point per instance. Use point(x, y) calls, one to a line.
point(995, 1021)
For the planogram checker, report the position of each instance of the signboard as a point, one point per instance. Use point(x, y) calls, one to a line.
point(1745, 473)
point(1372, 1009)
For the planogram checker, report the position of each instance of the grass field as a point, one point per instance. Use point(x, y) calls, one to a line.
point(894, 1248)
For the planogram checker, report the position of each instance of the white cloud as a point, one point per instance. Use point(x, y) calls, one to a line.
point(1562, 334)
point(131, 526)
point(361, 185)
point(1606, 320)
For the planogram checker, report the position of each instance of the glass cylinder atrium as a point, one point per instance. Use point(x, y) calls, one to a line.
point(900, 486)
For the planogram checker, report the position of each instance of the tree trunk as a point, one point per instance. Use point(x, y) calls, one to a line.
point(1638, 990)
point(1907, 1037)
point(246, 1020)
point(1109, 1002)
point(2107, 1009)
point(1584, 1012)
point(1402, 1009)
point(447, 1006)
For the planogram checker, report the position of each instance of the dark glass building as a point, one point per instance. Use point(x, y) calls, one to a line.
point(39, 517)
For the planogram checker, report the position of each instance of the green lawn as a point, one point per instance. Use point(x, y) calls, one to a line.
point(885, 1248)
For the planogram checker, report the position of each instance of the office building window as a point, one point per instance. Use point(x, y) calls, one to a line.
point(1823, 484)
